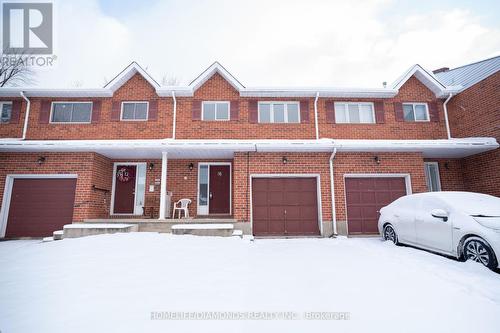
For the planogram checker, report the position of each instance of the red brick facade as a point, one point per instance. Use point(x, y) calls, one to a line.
point(95, 172)
point(476, 112)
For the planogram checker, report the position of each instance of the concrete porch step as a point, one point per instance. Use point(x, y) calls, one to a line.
point(203, 229)
point(58, 235)
point(76, 230)
point(173, 221)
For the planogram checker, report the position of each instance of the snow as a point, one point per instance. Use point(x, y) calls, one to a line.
point(203, 226)
point(97, 226)
point(113, 282)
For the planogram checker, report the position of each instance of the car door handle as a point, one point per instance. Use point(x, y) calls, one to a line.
point(396, 215)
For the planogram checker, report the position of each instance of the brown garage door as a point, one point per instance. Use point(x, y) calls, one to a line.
point(365, 197)
point(284, 206)
point(38, 207)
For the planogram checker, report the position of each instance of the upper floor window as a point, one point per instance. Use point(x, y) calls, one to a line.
point(6, 111)
point(432, 176)
point(279, 112)
point(354, 113)
point(215, 111)
point(71, 112)
point(134, 111)
point(415, 112)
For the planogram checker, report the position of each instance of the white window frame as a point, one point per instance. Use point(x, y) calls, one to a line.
point(427, 176)
point(271, 111)
point(346, 106)
point(136, 102)
point(414, 115)
point(228, 103)
point(1, 108)
point(51, 121)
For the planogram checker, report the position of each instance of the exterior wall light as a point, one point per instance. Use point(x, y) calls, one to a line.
point(41, 160)
point(151, 166)
point(191, 166)
point(377, 159)
point(284, 160)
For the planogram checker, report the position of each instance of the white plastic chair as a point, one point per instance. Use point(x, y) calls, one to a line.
point(181, 206)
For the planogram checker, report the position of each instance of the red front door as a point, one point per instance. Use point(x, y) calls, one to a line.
point(124, 202)
point(219, 195)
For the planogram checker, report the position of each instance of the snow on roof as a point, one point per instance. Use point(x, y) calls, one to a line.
point(428, 79)
point(126, 74)
point(468, 75)
point(216, 67)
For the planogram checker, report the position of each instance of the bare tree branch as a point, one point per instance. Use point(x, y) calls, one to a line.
point(170, 80)
point(14, 70)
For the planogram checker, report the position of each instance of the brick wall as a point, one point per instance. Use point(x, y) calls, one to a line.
point(89, 167)
point(272, 163)
point(136, 89)
point(476, 112)
point(397, 163)
point(451, 174)
point(218, 89)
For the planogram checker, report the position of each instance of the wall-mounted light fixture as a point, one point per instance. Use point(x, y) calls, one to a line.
point(377, 159)
point(447, 166)
point(191, 166)
point(41, 160)
point(151, 166)
point(284, 160)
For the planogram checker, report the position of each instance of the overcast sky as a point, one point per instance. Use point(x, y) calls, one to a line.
point(269, 43)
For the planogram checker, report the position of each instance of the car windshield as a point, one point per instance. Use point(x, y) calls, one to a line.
point(475, 204)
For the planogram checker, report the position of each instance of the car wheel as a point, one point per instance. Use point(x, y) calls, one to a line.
point(390, 234)
point(478, 250)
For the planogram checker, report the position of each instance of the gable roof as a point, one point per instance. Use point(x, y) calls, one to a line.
point(428, 79)
point(469, 75)
point(126, 74)
point(216, 67)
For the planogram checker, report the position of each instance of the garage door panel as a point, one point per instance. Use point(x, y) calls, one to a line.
point(296, 196)
point(38, 207)
point(365, 197)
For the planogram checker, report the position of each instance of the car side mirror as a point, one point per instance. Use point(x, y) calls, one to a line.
point(440, 214)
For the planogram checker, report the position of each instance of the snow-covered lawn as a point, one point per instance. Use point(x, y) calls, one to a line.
point(112, 283)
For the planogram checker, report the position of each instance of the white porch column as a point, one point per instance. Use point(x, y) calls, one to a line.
point(163, 185)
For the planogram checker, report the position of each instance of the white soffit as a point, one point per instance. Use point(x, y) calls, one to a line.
point(454, 148)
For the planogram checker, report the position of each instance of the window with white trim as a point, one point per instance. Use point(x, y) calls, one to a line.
point(211, 110)
point(6, 111)
point(279, 112)
point(432, 176)
point(134, 111)
point(71, 112)
point(354, 113)
point(415, 112)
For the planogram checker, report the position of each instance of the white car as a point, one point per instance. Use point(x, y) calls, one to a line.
point(461, 224)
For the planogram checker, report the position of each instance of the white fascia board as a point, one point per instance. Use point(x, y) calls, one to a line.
point(167, 91)
point(429, 80)
point(444, 148)
point(37, 92)
point(323, 92)
point(127, 73)
point(216, 67)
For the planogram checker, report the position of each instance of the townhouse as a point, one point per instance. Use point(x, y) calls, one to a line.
point(276, 161)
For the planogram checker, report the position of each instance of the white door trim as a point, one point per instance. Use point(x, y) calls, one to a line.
point(207, 212)
point(290, 175)
point(406, 176)
point(7, 192)
point(112, 204)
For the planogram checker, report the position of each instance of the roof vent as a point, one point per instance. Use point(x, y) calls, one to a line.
point(441, 70)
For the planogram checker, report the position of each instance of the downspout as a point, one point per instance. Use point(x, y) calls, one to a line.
point(175, 114)
point(332, 191)
point(28, 104)
point(446, 115)
point(316, 115)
